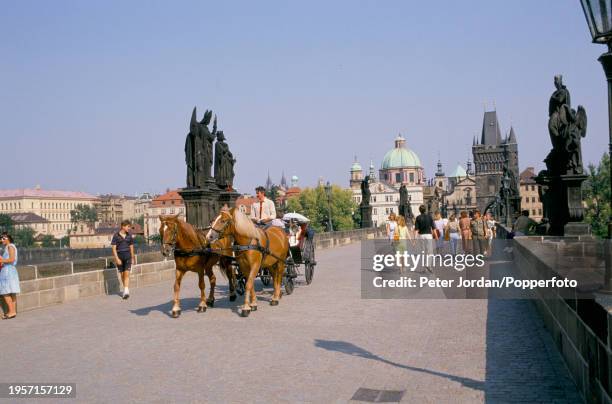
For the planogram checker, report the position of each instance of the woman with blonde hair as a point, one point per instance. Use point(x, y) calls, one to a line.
point(440, 225)
point(402, 235)
point(452, 228)
point(391, 225)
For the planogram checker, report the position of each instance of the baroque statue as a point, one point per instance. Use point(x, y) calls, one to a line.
point(224, 163)
point(566, 127)
point(365, 191)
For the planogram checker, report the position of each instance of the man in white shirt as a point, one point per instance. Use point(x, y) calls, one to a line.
point(262, 211)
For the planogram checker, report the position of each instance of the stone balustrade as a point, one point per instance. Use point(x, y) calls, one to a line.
point(580, 321)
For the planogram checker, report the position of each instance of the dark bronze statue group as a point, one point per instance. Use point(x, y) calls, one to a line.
point(561, 182)
point(199, 155)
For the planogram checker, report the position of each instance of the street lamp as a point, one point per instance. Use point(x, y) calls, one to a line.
point(328, 191)
point(598, 14)
point(506, 185)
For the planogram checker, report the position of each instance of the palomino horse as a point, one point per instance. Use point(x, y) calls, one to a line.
point(254, 248)
point(191, 253)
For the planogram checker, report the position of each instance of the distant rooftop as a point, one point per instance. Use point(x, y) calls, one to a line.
point(22, 218)
point(41, 193)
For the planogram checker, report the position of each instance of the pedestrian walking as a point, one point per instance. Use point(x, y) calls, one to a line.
point(491, 231)
point(453, 231)
point(440, 225)
point(123, 251)
point(390, 226)
point(403, 234)
point(466, 234)
point(425, 229)
point(9, 278)
point(478, 229)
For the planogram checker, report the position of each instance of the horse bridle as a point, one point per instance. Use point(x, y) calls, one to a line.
point(221, 232)
point(172, 243)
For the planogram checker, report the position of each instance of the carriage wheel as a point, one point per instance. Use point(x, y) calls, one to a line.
point(240, 286)
point(289, 285)
point(308, 273)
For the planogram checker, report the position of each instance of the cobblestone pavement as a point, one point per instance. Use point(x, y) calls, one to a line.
point(321, 344)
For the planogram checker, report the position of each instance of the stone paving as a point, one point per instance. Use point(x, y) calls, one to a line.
point(322, 344)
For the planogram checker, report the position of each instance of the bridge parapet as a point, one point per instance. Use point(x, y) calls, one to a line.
point(580, 321)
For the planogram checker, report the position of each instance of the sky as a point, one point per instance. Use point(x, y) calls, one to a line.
point(97, 95)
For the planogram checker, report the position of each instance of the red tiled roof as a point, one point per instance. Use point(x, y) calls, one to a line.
point(247, 202)
point(170, 198)
point(526, 177)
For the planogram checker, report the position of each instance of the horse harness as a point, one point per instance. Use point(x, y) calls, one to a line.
point(235, 248)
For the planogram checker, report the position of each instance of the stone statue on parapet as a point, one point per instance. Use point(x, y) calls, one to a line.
point(365, 191)
point(207, 142)
point(193, 146)
point(566, 127)
point(224, 163)
point(405, 209)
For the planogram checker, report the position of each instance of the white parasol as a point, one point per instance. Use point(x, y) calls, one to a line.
point(295, 216)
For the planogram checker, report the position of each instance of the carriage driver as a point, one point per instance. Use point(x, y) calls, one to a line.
point(262, 211)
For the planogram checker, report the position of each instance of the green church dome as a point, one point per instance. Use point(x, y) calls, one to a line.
point(400, 156)
point(356, 166)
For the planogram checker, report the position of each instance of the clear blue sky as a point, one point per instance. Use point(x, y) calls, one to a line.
point(96, 96)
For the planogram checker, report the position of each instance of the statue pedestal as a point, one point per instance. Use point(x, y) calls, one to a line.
point(201, 205)
point(366, 216)
point(577, 229)
point(229, 198)
point(562, 203)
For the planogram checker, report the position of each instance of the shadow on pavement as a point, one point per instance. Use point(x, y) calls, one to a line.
point(189, 303)
point(353, 350)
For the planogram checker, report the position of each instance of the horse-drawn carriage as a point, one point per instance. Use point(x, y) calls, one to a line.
point(301, 254)
point(242, 252)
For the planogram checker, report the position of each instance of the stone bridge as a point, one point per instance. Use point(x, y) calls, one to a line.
point(322, 344)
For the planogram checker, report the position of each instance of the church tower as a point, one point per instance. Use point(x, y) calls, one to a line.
point(356, 175)
point(490, 154)
point(440, 180)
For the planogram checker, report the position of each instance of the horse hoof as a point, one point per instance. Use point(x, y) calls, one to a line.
point(232, 298)
point(273, 302)
point(176, 314)
point(253, 308)
point(201, 309)
point(245, 313)
point(211, 303)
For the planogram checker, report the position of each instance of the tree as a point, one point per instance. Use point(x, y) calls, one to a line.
point(272, 194)
point(48, 241)
point(155, 239)
point(6, 223)
point(83, 213)
point(313, 203)
point(24, 237)
point(597, 197)
point(140, 220)
point(139, 240)
point(65, 242)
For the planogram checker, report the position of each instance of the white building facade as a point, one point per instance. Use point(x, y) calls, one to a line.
point(400, 166)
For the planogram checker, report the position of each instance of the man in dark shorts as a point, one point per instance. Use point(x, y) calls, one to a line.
point(123, 251)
